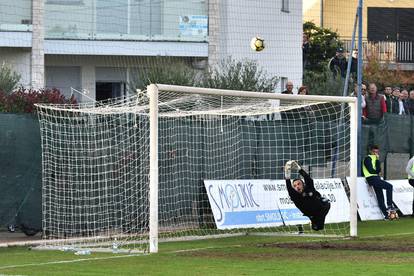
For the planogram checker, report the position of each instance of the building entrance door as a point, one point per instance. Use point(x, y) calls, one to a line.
point(109, 90)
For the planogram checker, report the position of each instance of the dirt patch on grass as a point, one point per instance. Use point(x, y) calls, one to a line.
point(352, 245)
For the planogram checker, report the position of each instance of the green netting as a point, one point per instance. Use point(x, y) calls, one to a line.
point(20, 176)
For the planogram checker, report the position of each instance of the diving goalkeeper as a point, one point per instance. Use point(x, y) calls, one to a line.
point(306, 198)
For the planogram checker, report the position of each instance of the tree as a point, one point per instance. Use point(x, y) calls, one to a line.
point(380, 73)
point(323, 45)
point(9, 79)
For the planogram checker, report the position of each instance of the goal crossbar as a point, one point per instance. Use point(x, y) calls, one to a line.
point(247, 94)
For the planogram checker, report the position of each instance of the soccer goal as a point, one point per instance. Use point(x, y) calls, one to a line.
point(180, 162)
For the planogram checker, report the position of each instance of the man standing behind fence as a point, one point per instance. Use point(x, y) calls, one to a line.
point(374, 126)
point(375, 108)
point(410, 103)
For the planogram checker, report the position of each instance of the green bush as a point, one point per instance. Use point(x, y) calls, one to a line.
point(228, 74)
point(238, 75)
point(166, 71)
point(9, 79)
point(323, 82)
point(23, 100)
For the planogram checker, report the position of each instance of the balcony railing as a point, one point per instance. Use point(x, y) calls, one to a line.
point(392, 51)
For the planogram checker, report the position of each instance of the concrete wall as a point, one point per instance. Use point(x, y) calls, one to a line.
point(282, 31)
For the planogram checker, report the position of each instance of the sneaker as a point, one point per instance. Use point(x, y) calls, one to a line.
point(392, 208)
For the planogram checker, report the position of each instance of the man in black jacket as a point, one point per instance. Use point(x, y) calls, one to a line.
point(339, 63)
point(305, 197)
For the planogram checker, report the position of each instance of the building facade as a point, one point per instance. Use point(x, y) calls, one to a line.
point(388, 31)
point(98, 46)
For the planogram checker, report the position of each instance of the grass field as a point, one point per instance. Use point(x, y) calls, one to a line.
point(382, 248)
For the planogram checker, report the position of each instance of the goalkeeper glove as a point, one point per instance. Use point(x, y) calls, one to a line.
point(296, 166)
point(288, 169)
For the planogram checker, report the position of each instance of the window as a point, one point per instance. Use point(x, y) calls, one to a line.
point(65, 2)
point(285, 5)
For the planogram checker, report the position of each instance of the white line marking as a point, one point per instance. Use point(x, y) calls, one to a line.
point(66, 261)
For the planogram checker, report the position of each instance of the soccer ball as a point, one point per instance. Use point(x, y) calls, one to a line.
point(257, 44)
point(392, 215)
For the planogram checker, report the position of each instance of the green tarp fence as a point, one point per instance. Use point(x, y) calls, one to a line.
point(20, 158)
point(20, 170)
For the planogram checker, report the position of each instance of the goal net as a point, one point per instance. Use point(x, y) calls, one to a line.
point(190, 163)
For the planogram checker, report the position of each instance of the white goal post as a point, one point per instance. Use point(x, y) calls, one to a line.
point(155, 89)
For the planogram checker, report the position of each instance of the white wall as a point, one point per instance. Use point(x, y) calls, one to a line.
point(19, 60)
point(242, 20)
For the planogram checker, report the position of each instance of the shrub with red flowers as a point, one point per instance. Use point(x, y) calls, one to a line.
point(23, 100)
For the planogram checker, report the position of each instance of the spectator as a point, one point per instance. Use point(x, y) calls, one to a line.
point(371, 169)
point(373, 113)
point(338, 63)
point(354, 63)
point(289, 88)
point(303, 90)
point(410, 103)
point(410, 171)
point(394, 100)
point(388, 97)
point(363, 93)
point(402, 103)
point(305, 51)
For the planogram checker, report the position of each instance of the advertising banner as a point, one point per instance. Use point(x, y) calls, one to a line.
point(266, 203)
point(243, 203)
point(367, 201)
point(402, 195)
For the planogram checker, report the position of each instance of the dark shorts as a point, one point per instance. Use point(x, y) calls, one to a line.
point(318, 220)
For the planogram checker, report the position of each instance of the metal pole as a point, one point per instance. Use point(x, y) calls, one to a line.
point(353, 168)
point(153, 173)
point(348, 69)
point(344, 93)
point(321, 23)
point(359, 79)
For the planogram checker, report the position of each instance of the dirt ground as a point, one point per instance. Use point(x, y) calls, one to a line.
point(377, 245)
point(17, 237)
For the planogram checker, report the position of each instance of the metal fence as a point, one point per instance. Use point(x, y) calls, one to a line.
point(392, 51)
